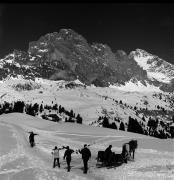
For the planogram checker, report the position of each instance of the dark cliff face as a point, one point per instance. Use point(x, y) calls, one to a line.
point(71, 57)
point(66, 55)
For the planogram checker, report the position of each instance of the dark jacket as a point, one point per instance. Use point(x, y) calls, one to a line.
point(31, 137)
point(107, 153)
point(68, 153)
point(86, 153)
point(108, 150)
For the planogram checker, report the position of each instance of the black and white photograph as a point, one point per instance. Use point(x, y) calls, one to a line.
point(86, 91)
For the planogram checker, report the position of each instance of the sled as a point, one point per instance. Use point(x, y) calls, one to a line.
point(115, 159)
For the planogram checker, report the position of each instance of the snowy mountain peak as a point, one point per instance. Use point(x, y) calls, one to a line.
point(68, 34)
point(157, 69)
point(68, 31)
point(141, 53)
point(66, 55)
point(8, 57)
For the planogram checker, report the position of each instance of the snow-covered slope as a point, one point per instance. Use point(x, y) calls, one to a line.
point(137, 86)
point(91, 102)
point(156, 67)
point(153, 158)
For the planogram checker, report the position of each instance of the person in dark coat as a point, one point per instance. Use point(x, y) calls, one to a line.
point(108, 155)
point(67, 155)
point(31, 138)
point(86, 154)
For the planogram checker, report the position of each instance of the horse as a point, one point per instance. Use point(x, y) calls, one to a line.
point(125, 152)
point(133, 144)
point(128, 149)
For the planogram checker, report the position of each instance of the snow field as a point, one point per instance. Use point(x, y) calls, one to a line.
point(154, 158)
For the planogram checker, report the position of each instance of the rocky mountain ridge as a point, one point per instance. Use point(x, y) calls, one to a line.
point(66, 55)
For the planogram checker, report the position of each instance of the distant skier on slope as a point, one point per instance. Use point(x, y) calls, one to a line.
point(31, 138)
point(67, 155)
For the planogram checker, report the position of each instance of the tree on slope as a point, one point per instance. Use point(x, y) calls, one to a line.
point(113, 126)
point(122, 126)
point(79, 119)
point(105, 122)
point(134, 126)
point(19, 106)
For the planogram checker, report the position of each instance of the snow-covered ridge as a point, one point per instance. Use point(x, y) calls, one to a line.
point(86, 100)
point(156, 67)
point(20, 83)
point(137, 86)
point(73, 57)
point(10, 59)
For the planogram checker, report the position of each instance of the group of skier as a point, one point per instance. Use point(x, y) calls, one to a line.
point(85, 152)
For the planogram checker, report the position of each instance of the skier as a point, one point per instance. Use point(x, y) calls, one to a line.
point(56, 156)
point(31, 138)
point(86, 154)
point(67, 155)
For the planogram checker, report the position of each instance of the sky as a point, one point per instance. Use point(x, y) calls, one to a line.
point(125, 26)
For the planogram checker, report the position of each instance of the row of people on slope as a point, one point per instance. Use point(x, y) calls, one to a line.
point(86, 155)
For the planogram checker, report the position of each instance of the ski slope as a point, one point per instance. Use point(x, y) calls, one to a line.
point(154, 158)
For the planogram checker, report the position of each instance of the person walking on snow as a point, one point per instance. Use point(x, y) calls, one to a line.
point(31, 138)
point(67, 155)
point(55, 154)
point(86, 154)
